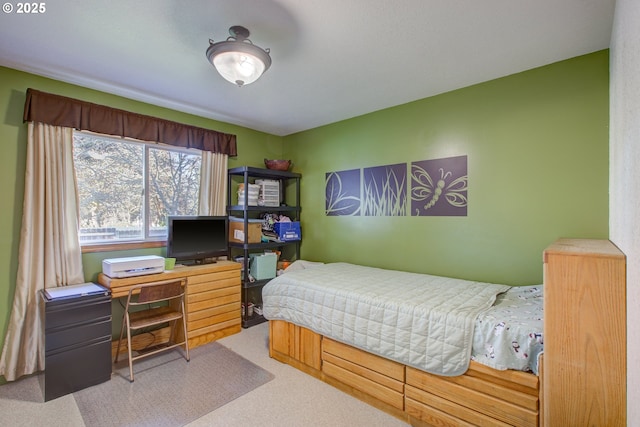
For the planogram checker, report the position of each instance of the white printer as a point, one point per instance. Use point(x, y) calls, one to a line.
point(133, 266)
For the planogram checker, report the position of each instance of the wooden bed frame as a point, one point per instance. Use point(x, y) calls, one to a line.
point(481, 397)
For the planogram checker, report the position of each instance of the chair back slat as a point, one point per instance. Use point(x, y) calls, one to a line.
point(160, 292)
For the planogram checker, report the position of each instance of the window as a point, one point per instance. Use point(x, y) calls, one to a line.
point(126, 189)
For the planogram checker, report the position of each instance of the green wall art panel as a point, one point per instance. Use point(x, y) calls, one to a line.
point(439, 187)
point(385, 190)
point(342, 193)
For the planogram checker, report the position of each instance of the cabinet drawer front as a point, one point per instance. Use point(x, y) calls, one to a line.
point(370, 374)
point(505, 391)
point(214, 311)
point(364, 372)
point(69, 371)
point(60, 339)
point(229, 275)
point(364, 385)
point(211, 295)
point(502, 403)
point(214, 327)
point(515, 380)
point(437, 411)
point(374, 363)
point(202, 303)
point(69, 313)
point(197, 288)
point(212, 320)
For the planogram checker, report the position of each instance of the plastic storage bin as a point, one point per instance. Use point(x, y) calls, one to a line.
point(269, 192)
point(263, 266)
point(254, 191)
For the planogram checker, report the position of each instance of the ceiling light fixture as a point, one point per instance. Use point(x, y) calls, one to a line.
point(237, 59)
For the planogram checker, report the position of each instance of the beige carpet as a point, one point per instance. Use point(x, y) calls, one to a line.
point(168, 390)
point(292, 398)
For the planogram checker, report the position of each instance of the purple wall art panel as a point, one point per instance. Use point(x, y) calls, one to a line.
point(385, 190)
point(342, 192)
point(439, 187)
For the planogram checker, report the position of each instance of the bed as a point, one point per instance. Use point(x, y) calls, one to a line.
point(431, 350)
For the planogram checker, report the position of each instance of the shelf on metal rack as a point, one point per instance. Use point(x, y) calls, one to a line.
point(255, 283)
point(242, 208)
point(256, 319)
point(257, 246)
point(263, 173)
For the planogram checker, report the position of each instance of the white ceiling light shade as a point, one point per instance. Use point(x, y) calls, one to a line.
point(237, 59)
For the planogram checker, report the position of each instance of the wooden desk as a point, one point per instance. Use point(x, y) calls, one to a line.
point(212, 300)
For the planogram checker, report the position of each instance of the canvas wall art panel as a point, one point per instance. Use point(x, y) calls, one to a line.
point(439, 187)
point(385, 190)
point(342, 193)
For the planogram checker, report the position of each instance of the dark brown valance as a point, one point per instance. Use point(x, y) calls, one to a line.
point(68, 112)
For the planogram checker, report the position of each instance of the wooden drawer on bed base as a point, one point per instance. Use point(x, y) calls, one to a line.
point(380, 378)
point(482, 396)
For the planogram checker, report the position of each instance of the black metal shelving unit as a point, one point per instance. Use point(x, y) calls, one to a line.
point(289, 185)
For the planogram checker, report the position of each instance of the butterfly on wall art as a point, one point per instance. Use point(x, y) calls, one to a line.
point(439, 187)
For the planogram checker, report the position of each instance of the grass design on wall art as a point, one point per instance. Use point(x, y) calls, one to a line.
point(439, 187)
point(342, 193)
point(385, 190)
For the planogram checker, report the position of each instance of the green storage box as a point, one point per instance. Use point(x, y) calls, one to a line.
point(263, 266)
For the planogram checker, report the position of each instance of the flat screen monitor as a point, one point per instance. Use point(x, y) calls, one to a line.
point(199, 239)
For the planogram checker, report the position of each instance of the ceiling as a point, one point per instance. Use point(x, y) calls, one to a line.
point(332, 59)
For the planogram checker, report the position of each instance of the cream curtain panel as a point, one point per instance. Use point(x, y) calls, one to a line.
point(49, 254)
point(213, 184)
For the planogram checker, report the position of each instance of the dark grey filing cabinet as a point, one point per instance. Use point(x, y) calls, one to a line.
point(77, 325)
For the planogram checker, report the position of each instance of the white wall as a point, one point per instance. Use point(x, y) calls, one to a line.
point(624, 177)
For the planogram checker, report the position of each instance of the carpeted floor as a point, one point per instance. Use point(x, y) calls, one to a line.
point(292, 398)
point(168, 390)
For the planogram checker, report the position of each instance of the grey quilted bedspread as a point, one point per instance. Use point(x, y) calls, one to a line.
point(419, 320)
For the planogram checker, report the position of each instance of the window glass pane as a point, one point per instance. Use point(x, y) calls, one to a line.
point(174, 182)
point(113, 175)
point(110, 188)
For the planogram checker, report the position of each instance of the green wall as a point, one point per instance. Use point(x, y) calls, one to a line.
point(253, 147)
point(537, 147)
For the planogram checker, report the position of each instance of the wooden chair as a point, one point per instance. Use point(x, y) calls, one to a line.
point(170, 291)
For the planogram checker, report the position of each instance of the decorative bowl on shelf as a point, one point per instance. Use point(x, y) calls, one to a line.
point(278, 165)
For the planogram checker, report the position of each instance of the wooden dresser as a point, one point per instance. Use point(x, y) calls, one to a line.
point(212, 300)
point(584, 371)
